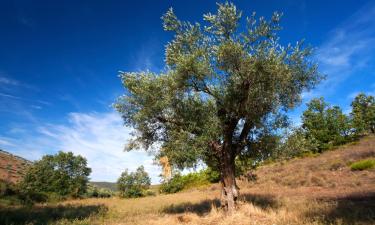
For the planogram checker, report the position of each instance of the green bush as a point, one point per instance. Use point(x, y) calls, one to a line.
point(95, 192)
point(176, 184)
point(134, 184)
point(149, 193)
point(182, 182)
point(363, 164)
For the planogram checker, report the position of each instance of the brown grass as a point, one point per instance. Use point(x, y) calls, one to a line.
point(314, 190)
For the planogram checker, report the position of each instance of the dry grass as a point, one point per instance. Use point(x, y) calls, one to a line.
point(315, 190)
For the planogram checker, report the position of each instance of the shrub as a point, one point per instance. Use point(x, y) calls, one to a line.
point(213, 176)
point(363, 164)
point(182, 182)
point(149, 193)
point(134, 184)
point(174, 185)
point(95, 192)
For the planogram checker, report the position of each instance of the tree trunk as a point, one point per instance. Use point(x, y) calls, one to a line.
point(229, 189)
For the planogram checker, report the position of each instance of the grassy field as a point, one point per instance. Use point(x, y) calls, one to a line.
point(314, 190)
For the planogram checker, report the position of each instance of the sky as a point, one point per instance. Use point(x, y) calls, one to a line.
point(59, 63)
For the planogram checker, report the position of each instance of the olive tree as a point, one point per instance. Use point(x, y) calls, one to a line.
point(223, 83)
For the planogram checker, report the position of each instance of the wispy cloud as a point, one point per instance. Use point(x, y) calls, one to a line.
point(349, 49)
point(8, 81)
point(100, 137)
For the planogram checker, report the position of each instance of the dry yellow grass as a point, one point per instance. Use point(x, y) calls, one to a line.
point(318, 190)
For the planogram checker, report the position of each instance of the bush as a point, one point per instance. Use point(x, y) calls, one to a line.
point(213, 176)
point(134, 184)
point(95, 192)
point(182, 182)
point(149, 193)
point(7, 188)
point(176, 184)
point(363, 164)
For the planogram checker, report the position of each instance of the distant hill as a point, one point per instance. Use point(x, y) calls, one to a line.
point(12, 167)
point(113, 186)
point(109, 185)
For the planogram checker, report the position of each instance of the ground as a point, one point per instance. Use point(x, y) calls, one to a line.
point(319, 189)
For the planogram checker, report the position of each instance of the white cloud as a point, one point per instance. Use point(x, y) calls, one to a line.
point(8, 81)
point(99, 137)
point(349, 49)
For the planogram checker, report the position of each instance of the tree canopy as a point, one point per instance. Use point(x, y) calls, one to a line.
point(325, 125)
point(225, 84)
point(363, 113)
point(63, 174)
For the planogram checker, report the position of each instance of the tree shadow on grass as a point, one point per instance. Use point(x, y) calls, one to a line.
point(204, 207)
point(48, 214)
point(351, 209)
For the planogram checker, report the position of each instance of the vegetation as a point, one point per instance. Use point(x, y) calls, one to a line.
point(363, 164)
point(95, 192)
point(303, 191)
point(134, 184)
point(363, 113)
point(191, 180)
point(222, 88)
point(325, 126)
point(60, 175)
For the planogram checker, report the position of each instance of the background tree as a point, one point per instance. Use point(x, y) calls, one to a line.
point(220, 88)
point(324, 125)
point(133, 184)
point(363, 113)
point(63, 174)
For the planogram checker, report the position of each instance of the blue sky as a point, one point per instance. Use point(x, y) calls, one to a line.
point(59, 62)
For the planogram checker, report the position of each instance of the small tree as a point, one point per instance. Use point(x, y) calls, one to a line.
point(220, 88)
point(326, 126)
point(296, 144)
point(363, 113)
point(133, 184)
point(63, 174)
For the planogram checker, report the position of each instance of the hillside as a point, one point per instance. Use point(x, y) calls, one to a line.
point(12, 167)
point(314, 190)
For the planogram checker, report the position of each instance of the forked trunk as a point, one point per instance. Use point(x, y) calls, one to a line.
point(229, 189)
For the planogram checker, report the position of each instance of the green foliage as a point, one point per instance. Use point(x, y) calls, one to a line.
point(7, 188)
point(325, 126)
point(222, 88)
point(174, 185)
point(363, 114)
point(134, 184)
point(363, 164)
point(296, 145)
point(62, 174)
point(212, 175)
point(191, 180)
point(95, 192)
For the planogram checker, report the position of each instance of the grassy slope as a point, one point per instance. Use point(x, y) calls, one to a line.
point(318, 190)
point(12, 167)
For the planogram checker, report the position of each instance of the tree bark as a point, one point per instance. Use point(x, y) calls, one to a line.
point(229, 189)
